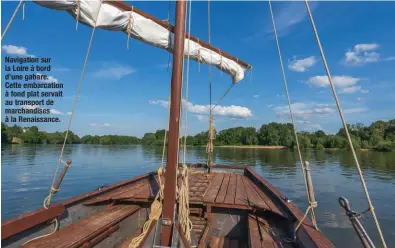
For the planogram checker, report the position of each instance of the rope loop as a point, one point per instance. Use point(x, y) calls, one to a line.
point(129, 27)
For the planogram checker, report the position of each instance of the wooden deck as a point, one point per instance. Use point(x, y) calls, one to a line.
point(226, 190)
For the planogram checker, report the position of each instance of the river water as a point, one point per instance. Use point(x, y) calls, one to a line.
point(27, 171)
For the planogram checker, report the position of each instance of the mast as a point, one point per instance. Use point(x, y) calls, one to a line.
point(169, 200)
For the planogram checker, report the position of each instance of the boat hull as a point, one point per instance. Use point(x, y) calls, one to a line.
point(231, 206)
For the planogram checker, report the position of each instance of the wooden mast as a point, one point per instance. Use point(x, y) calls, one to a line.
point(169, 200)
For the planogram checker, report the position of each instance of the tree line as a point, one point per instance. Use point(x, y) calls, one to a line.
point(379, 135)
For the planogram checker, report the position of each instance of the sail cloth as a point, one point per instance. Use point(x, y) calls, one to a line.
point(144, 29)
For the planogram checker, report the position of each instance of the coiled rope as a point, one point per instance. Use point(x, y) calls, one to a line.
point(47, 200)
point(12, 18)
point(311, 204)
point(345, 126)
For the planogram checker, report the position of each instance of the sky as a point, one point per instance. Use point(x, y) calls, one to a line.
point(126, 91)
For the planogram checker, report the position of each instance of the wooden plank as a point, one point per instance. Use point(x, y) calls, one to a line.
point(224, 187)
point(26, 221)
point(253, 231)
point(213, 189)
point(88, 228)
point(215, 242)
point(83, 197)
point(253, 197)
point(113, 194)
point(203, 239)
point(241, 195)
point(307, 235)
point(272, 206)
point(231, 192)
point(267, 239)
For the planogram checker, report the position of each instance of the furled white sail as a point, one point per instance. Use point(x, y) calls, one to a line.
point(141, 28)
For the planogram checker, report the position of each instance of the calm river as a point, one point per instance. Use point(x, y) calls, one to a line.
point(27, 171)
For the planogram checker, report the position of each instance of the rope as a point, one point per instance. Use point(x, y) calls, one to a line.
point(345, 126)
point(23, 10)
point(129, 27)
point(290, 111)
point(183, 196)
point(12, 19)
point(156, 212)
point(77, 18)
point(223, 96)
point(74, 105)
point(168, 21)
point(47, 200)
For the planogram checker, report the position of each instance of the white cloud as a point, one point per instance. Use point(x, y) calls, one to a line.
point(256, 96)
point(106, 125)
point(364, 91)
point(93, 124)
point(99, 125)
point(304, 110)
point(390, 58)
point(288, 15)
point(362, 54)
point(226, 111)
point(339, 81)
point(15, 50)
point(55, 112)
point(350, 90)
point(68, 113)
point(344, 84)
point(270, 105)
point(301, 65)
point(355, 110)
point(30, 106)
point(49, 79)
point(113, 70)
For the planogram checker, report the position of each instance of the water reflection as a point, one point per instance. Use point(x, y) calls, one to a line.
point(27, 172)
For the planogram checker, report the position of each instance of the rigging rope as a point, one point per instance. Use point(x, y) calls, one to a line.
point(75, 103)
point(12, 18)
point(47, 200)
point(345, 125)
point(156, 212)
point(183, 207)
point(292, 117)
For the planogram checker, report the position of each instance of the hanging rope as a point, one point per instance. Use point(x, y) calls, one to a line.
point(223, 96)
point(12, 19)
point(292, 117)
point(52, 190)
point(168, 21)
point(74, 105)
point(345, 126)
point(23, 10)
point(183, 196)
point(156, 212)
point(129, 27)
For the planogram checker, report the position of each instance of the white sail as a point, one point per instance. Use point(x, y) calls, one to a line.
point(141, 28)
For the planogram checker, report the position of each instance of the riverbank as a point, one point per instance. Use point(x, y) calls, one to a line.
point(254, 147)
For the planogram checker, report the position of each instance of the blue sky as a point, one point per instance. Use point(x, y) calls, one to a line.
point(124, 91)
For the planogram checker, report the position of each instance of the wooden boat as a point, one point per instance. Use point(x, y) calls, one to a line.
point(224, 206)
point(232, 206)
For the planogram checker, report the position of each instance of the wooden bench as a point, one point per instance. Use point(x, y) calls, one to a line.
point(29, 220)
point(75, 235)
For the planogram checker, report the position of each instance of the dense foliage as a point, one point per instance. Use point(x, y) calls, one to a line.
point(32, 135)
point(379, 135)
